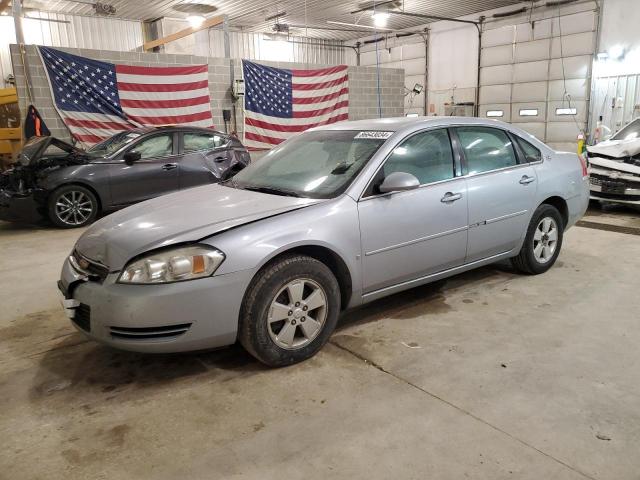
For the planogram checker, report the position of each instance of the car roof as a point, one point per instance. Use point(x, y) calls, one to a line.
point(405, 125)
point(395, 124)
point(164, 128)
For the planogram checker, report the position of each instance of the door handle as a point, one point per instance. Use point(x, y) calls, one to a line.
point(219, 159)
point(169, 166)
point(525, 180)
point(451, 197)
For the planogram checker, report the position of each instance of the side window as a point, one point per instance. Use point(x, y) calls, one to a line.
point(427, 155)
point(194, 142)
point(531, 153)
point(486, 149)
point(156, 146)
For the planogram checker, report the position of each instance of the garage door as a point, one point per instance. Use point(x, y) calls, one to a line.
point(537, 74)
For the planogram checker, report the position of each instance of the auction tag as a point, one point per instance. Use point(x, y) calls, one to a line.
point(374, 135)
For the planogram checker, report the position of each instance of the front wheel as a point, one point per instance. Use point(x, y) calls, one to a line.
point(72, 206)
point(289, 311)
point(542, 243)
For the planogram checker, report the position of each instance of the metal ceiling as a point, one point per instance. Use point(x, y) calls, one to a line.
point(250, 15)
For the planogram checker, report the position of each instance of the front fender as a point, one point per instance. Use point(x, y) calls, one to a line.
point(332, 225)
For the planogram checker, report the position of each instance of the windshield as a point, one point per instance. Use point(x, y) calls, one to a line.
point(317, 164)
point(113, 144)
point(630, 132)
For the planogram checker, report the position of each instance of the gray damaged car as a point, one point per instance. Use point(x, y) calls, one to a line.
point(71, 187)
point(333, 218)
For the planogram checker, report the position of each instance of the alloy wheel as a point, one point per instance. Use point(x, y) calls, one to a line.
point(297, 314)
point(545, 240)
point(73, 208)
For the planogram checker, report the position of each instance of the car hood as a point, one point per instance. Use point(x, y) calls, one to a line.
point(185, 216)
point(616, 148)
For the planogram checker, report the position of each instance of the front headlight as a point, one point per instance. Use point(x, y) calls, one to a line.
point(175, 265)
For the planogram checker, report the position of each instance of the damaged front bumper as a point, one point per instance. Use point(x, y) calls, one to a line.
point(17, 207)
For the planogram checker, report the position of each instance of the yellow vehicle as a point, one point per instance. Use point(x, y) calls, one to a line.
point(10, 131)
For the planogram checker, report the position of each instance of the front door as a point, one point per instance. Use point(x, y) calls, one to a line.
point(156, 173)
point(501, 191)
point(407, 235)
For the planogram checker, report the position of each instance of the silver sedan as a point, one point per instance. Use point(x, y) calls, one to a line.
point(333, 218)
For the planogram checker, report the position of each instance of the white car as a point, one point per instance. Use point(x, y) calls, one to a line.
point(615, 167)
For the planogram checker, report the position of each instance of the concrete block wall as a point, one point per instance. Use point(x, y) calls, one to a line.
point(363, 101)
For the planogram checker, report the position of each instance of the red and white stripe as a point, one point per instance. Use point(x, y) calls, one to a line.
point(165, 95)
point(319, 97)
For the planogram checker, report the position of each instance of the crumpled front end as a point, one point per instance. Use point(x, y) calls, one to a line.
point(19, 202)
point(615, 179)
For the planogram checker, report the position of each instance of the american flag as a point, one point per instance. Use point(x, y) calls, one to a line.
point(279, 102)
point(98, 99)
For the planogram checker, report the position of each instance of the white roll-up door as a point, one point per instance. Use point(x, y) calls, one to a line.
point(531, 78)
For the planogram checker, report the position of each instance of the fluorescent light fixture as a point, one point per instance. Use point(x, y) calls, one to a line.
point(495, 113)
point(380, 18)
point(602, 56)
point(358, 25)
point(195, 20)
point(529, 112)
point(412, 115)
point(566, 111)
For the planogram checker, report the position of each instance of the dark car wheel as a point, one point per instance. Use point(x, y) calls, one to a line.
point(543, 241)
point(72, 206)
point(289, 311)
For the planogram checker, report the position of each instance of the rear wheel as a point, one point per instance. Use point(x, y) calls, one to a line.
point(289, 311)
point(543, 241)
point(72, 206)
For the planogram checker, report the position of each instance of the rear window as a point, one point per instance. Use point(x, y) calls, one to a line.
point(531, 153)
point(194, 142)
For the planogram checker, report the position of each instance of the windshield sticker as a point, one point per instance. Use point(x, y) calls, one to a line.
point(374, 135)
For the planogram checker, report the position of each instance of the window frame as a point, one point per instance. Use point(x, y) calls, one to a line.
point(198, 132)
point(514, 144)
point(369, 191)
point(521, 153)
point(174, 147)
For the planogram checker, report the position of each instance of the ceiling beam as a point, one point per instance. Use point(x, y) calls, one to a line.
point(208, 23)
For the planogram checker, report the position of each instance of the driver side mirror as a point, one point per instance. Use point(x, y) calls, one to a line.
point(398, 182)
point(131, 157)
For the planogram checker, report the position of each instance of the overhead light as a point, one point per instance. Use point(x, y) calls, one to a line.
point(357, 25)
point(495, 113)
point(602, 56)
point(380, 18)
point(529, 112)
point(616, 52)
point(195, 20)
point(412, 115)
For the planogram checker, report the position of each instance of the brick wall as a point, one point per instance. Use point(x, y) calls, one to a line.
point(363, 102)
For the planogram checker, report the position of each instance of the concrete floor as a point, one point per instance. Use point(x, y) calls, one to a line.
point(489, 375)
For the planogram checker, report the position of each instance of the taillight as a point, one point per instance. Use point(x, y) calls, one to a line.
point(583, 162)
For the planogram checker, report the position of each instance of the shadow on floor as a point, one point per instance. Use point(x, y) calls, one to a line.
point(85, 367)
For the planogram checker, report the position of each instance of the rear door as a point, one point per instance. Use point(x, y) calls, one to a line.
point(205, 158)
point(407, 235)
point(156, 173)
point(501, 187)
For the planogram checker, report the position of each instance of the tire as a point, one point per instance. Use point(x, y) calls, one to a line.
point(265, 329)
point(541, 248)
point(72, 206)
